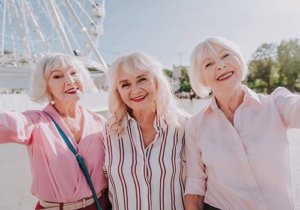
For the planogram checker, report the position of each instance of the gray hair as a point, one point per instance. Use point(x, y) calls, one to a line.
point(165, 102)
point(198, 55)
point(44, 68)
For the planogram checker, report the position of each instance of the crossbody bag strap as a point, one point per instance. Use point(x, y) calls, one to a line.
point(79, 160)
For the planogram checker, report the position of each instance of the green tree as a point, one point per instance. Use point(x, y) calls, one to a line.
point(289, 64)
point(168, 73)
point(275, 65)
point(263, 71)
point(185, 85)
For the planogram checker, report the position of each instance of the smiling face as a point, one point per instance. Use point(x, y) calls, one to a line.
point(65, 85)
point(137, 89)
point(220, 68)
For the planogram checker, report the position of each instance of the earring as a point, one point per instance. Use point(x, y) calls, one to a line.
point(52, 102)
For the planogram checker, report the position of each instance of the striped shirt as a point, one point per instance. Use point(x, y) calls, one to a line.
point(145, 178)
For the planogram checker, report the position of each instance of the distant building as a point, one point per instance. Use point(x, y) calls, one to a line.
point(177, 71)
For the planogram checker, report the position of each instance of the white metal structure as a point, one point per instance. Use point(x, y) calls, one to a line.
point(31, 28)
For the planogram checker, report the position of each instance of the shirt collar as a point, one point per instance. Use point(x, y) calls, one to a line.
point(250, 96)
point(159, 123)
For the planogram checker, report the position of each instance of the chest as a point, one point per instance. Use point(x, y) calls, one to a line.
point(76, 128)
point(248, 139)
point(164, 154)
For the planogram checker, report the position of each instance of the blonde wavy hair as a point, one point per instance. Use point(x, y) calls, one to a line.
point(166, 107)
point(47, 64)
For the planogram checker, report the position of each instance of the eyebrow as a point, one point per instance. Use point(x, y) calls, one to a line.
point(122, 81)
point(221, 51)
point(126, 80)
point(56, 71)
point(142, 75)
point(224, 49)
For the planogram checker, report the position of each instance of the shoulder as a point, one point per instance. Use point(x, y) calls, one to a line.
point(35, 116)
point(182, 117)
point(280, 91)
point(196, 118)
point(279, 94)
point(96, 117)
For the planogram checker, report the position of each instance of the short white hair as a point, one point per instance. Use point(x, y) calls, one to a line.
point(198, 56)
point(165, 102)
point(44, 68)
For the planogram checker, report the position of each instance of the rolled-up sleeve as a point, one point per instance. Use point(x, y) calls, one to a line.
point(288, 105)
point(196, 177)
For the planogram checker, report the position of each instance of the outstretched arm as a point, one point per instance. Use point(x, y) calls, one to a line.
point(15, 127)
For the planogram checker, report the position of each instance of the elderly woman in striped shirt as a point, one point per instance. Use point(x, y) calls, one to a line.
point(144, 155)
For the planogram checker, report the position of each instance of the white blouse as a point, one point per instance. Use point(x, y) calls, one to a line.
point(145, 178)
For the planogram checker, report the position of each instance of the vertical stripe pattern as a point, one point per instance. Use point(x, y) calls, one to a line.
point(146, 178)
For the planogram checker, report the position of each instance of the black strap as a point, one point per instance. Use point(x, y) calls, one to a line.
point(209, 207)
point(79, 160)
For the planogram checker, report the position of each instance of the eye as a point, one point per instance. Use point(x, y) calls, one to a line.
point(124, 85)
point(208, 64)
point(142, 79)
point(225, 55)
point(73, 73)
point(57, 76)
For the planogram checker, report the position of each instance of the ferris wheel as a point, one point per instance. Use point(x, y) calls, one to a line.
point(32, 28)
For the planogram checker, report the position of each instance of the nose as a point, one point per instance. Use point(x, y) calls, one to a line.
point(70, 79)
point(221, 65)
point(135, 89)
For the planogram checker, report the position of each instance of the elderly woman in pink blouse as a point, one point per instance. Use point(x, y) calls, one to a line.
point(58, 181)
point(237, 149)
point(144, 155)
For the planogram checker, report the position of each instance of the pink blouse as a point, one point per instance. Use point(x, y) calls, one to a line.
point(245, 165)
point(56, 173)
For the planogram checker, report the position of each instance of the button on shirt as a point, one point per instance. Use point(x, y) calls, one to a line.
point(56, 176)
point(245, 165)
point(146, 178)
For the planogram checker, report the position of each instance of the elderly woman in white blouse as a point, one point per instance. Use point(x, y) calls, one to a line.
point(237, 151)
point(144, 155)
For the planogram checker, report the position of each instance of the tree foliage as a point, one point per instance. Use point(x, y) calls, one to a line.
point(275, 65)
point(185, 85)
point(168, 73)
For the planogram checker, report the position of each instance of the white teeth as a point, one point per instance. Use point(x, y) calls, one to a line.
point(71, 90)
point(136, 98)
point(225, 76)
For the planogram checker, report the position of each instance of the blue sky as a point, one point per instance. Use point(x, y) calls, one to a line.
point(169, 29)
point(166, 29)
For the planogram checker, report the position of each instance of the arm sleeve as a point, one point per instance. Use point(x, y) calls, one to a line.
point(105, 139)
point(16, 127)
point(196, 177)
point(288, 105)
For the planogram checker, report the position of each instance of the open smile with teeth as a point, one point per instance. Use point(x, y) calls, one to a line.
point(139, 98)
point(225, 76)
point(71, 90)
